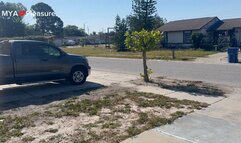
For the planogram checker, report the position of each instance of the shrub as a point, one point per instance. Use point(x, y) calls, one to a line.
point(197, 40)
point(207, 46)
point(223, 42)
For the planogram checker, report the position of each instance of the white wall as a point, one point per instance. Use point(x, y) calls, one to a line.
point(175, 37)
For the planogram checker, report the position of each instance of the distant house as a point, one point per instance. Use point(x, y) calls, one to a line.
point(179, 33)
point(231, 28)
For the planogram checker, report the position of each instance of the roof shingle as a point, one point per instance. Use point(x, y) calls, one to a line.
point(189, 24)
point(229, 24)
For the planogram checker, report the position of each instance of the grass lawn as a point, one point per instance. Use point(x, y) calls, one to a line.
point(91, 51)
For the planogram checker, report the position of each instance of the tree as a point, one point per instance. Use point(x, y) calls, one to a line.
point(11, 26)
point(31, 30)
point(72, 30)
point(120, 30)
point(143, 41)
point(143, 16)
point(197, 39)
point(158, 22)
point(50, 24)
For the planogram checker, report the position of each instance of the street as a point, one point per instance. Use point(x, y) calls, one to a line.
point(226, 74)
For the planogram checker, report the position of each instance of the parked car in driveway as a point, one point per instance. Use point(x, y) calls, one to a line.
point(70, 43)
point(25, 61)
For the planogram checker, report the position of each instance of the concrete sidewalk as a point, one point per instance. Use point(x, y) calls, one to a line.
point(153, 136)
point(220, 123)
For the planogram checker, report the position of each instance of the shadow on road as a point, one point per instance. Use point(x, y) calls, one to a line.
point(12, 97)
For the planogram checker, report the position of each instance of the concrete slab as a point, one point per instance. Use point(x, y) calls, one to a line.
point(152, 136)
point(204, 129)
point(228, 109)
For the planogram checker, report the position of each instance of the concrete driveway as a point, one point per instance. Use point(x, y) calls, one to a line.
point(15, 96)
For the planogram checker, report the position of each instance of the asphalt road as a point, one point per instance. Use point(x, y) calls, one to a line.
point(226, 74)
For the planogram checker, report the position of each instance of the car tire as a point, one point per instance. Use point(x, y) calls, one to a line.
point(78, 76)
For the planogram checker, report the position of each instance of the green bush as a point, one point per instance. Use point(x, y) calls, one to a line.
point(197, 40)
point(223, 43)
point(207, 46)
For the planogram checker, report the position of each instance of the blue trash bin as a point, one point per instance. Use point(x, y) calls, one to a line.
point(233, 55)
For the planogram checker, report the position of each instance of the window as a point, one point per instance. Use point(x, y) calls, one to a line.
point(5, 48)
point(50, 51)
point(187, 37)
point(39, 50)
point(54, 52)
point(33, 50)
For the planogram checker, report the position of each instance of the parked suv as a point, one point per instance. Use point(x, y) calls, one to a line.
point(25, 61)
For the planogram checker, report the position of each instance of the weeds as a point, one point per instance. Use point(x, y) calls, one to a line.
point(143, 118)
point(126, 116)
point(193, 87)
point(12, 126)
point(133, 131)
point(51, 130)
point(28, 139)
point(111, 125)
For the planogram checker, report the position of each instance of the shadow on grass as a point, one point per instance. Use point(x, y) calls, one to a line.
point(41, 94)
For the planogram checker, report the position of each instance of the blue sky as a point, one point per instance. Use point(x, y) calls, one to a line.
point(97, 15)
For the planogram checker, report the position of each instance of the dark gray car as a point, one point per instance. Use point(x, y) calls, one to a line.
point(25, 61)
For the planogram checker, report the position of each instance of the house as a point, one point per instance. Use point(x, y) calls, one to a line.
point(179, 33)
point(94, 39)
point(231, 29)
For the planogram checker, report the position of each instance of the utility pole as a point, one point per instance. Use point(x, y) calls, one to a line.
point(84, 28)
point(88, 30)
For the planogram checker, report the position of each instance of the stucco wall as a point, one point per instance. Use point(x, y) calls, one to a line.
point(175, 37)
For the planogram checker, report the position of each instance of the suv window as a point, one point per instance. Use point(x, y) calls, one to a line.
point(4, 48)
point(51, 51)
point(38, 50)
point(33, 50)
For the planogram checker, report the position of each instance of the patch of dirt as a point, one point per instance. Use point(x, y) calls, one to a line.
point(193, 87)
point(106, 115)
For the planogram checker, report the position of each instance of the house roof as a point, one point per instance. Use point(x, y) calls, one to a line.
point(189, 24)
point(229, 24)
